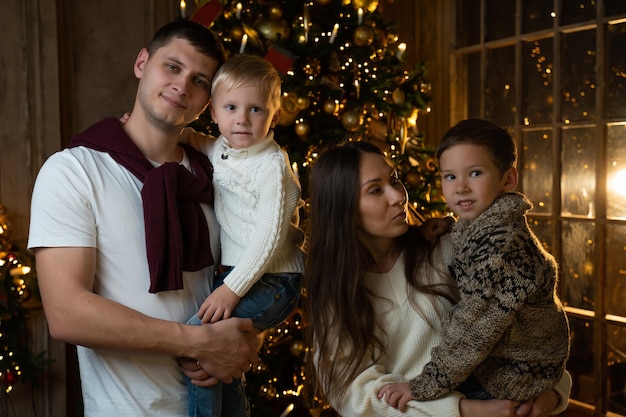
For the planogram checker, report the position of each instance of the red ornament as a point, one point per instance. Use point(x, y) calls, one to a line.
point(206, 14)
point(10, 378)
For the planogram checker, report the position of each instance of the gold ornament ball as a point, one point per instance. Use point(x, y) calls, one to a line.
point(236, 32)
point(287, 119)
point(303, 102)
point(275, 30)
point(296, 348)
point(275, 11)
point(413, 178)
point(330, 106)
point(397, 96)
point(370, 5)
point(290, 103)
point(363, 35)
point(377, 130)
point(351, 120)
point(302, 129)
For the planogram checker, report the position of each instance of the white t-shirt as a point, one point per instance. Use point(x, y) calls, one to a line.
point(83, 198)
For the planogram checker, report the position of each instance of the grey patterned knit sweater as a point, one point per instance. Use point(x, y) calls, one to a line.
point(509, 328)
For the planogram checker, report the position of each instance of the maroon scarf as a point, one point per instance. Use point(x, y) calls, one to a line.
point(177, 234)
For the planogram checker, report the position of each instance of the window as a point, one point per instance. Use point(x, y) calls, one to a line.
point(554, 73)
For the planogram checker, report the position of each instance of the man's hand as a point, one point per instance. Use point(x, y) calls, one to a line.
point(227, 350)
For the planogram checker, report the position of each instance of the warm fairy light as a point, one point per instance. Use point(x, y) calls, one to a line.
point(288, 410)
point(333, 35)
point(183, 9)
point(401, 49)
point(244, 41)
point(238, 12)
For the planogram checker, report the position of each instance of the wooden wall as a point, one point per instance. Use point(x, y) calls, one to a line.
point(425, 26)
point(65, 64)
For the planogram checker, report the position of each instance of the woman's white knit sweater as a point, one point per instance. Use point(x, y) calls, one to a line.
point(256, 201)
point(409, 336)
point(408, 340)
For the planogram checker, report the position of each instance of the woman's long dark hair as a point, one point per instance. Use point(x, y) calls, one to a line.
point(338, 302)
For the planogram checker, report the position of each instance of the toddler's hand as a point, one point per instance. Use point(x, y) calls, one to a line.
point(432, 228)
point(396, 394)
point(218, 305)
point(124, 118)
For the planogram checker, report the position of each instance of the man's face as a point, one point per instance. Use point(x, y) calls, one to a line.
point(174, 83)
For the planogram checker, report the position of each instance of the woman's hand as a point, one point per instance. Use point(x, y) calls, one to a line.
point(488, 408)
point(542, 406)
point(193, 370)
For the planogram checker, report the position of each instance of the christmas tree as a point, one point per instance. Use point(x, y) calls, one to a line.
point(343, 79)
point(17, 287)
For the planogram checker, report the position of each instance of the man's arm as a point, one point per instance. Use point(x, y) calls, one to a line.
point(77, 315)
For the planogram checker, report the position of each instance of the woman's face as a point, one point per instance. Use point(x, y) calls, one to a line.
point(382, 200)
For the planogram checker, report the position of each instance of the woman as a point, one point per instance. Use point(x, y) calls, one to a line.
point(378, 291)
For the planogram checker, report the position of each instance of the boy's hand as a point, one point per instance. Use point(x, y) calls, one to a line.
point(432, 228)
point(218, 305)
point(396, 394)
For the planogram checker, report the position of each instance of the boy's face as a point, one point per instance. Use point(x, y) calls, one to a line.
point(244, 115)
point(175, 83)
point(471, 181)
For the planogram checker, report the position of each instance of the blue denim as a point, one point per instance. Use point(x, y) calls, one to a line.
point(472, 389)
point(270, 301)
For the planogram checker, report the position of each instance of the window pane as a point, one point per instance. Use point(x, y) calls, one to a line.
point(578, 177)
point(537, 15)
point(577, 283)
point(537, 172)
point(580, 362)
point(500, 21)
point(616, 71)
point(474, 89)
point(578, 76)
point(538, 69)
point(613, 7)
point(542, 228)
point(500, 93)
point(616, 269)
point(578, 11)
point(468, 22)
point(616, 172)
point(616, 385)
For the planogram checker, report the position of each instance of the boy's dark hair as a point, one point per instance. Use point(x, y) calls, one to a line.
point(195, 33)
point(495, 139)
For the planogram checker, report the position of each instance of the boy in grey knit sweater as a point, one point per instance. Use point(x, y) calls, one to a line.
point(508, 337)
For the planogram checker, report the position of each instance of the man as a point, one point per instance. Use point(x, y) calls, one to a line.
point(115, 221)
